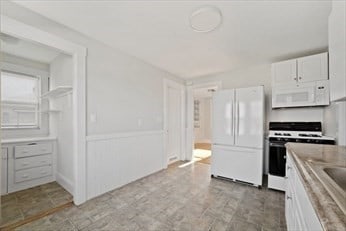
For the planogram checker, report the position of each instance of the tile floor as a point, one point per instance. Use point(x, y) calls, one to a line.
point(20, 205)
point(178, 198)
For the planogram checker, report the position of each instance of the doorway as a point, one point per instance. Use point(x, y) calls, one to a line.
point(202, 115)
point(32, 154)
point(199, 124)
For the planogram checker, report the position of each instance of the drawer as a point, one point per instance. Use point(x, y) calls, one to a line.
point(32, 150)
point(31, 162)
point(32, 173)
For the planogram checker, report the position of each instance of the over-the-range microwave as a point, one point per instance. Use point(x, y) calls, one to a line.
point(301, 94)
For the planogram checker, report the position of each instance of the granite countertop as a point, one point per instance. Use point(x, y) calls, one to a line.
point(329, 213)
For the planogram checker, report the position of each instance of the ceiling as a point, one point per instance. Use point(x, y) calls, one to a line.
point(159, 32)
point(27, 50)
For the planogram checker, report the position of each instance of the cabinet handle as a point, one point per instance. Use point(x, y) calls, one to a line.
point(43, 172)
point(25, 176)
point(295, 78)
point(300, 77)
point(25, 164)
point(289, 168)
point(289, 198)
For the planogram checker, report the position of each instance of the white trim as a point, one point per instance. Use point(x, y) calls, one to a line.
point(122, 135)
point(189, 114)
point(26, 140)
point(23, 31)
point(64, 182)
point(169, 83)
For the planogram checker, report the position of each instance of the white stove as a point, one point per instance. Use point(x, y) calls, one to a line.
point(282, 132)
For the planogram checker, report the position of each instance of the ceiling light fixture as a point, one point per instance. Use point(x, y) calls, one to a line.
point(206, 19)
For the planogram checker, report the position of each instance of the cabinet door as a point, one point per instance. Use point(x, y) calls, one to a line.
point(223, 119)
point(337, 50)
point(4, 160)
point(242, 164)
point(284, 72)
point(312, 68)
point(249, 114)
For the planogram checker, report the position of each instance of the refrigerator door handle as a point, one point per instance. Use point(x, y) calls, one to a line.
point(232, 121)
point(237, 117)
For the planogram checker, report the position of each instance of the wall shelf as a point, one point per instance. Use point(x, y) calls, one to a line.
point(57, 92)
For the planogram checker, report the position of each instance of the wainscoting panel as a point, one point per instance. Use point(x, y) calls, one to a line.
point(117, 159)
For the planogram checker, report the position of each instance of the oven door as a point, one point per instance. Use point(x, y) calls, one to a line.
point(277, 158)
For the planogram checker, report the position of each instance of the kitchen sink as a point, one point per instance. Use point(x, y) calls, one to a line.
point(338, 174)
point(333, 178)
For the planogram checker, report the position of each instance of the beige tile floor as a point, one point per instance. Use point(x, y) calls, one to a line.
point(23, 204)
point(178, 198)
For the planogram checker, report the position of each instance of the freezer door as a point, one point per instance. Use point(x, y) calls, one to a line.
point(249, 117)
point(222, 117)
point(244, 164)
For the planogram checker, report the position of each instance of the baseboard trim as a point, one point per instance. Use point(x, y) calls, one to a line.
point(65, 183)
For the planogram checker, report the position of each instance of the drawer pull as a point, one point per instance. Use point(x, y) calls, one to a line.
point(43, 149)
point(25, 176)
point(43, 172)
point(25, 164)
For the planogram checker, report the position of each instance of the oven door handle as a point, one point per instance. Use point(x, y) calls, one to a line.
point(280, 145)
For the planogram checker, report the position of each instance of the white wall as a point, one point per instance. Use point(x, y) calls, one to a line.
point(121, 90)
point(203, 133)
point(26, 66)
point(61, 74)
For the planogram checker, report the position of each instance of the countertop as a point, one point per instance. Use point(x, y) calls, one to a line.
point(27, 139)
point(326, 208)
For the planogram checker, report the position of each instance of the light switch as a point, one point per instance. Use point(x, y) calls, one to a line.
point(93, 118)
point(139, 122)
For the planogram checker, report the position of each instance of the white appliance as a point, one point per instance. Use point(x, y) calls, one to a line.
point(282, 132)
point(238, 126)
point(314, 93)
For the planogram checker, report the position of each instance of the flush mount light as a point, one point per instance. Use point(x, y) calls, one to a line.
point(205, 19)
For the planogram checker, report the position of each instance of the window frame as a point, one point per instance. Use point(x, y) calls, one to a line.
point(39, 103)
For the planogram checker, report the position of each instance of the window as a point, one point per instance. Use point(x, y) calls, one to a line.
point(19, 100)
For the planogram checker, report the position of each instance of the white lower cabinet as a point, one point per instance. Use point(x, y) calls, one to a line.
point(300, 214)
point(29, 164)
point(4, 161)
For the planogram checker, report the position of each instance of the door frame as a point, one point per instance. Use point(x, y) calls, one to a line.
point(166, 84)
point(189, 114)
point(24, 31)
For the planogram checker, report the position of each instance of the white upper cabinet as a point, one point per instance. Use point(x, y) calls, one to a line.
point(304, 69)
point(284, 72)
point(313, 68)
point(337, 51)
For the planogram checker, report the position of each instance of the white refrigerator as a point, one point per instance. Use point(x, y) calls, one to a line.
point(238, 132)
